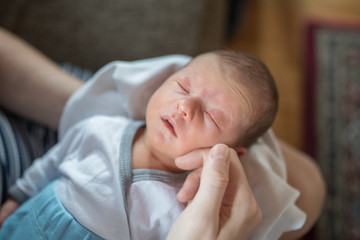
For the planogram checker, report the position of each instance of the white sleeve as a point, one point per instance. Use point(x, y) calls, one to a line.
point(46, 169)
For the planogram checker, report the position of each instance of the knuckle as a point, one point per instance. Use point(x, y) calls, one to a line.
point(259, 216)
point(256, 214)
point(219, 179)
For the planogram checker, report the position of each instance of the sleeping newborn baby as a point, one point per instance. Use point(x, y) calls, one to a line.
point(114, 177)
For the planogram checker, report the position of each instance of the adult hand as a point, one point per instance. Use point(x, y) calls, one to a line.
point(223, 207)
point(8, 208)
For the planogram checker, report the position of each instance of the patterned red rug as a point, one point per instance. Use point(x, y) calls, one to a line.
point(332, 119)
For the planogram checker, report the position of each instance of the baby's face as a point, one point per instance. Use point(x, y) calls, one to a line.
point(195, 108)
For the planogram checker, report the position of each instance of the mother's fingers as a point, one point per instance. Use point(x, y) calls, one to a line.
point(214, 179)
point(192, 160)
point(190, 186)
point(216, 170)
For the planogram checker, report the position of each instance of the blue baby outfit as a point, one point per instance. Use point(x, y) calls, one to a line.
point(44, 217)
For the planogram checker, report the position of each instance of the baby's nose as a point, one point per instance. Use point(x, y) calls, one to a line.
point(188, 107)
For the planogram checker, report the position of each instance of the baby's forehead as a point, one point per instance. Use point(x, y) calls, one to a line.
point(230, 66)
point(210, 67)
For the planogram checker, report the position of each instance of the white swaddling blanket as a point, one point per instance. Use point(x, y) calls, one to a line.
point(124, 88)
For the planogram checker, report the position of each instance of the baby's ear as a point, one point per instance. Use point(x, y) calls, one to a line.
point(240, 151)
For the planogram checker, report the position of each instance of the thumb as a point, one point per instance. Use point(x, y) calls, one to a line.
point(214, 178)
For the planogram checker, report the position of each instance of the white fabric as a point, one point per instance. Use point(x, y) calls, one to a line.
point(152, 209)
point(266, 172)
point(86, 162)
point(124, 88)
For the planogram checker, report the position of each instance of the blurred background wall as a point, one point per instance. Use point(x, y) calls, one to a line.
point(274, 30)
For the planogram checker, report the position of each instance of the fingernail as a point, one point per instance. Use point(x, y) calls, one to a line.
point(219, 150)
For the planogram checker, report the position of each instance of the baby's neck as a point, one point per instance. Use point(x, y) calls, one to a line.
point(143, 157)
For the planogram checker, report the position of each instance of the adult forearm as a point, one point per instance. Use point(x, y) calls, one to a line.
point(32, 85)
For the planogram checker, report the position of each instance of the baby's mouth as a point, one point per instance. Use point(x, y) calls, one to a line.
point(169, 125)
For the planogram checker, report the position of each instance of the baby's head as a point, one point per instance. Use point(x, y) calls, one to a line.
point(254, 78)
point(219, 97)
